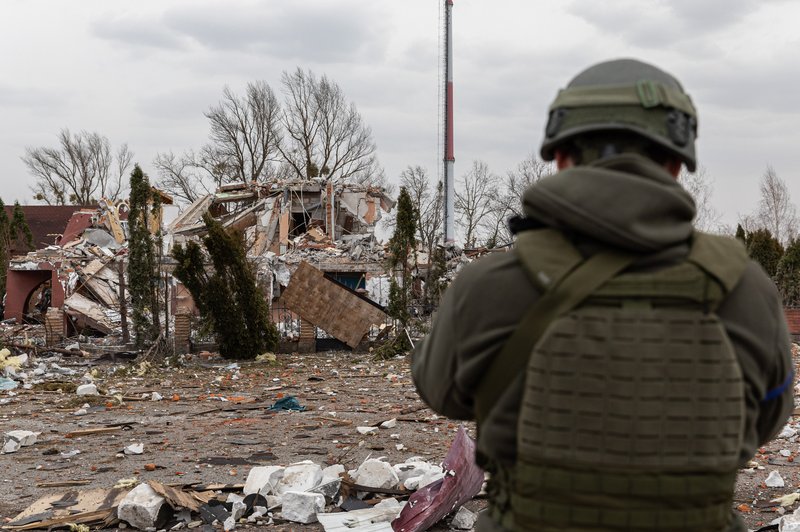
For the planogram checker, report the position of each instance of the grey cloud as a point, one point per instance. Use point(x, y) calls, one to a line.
point(16, 98)
point(137, 32)
point(321, 31)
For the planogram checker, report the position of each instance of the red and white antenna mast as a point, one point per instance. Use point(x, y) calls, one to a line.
point(449, 156)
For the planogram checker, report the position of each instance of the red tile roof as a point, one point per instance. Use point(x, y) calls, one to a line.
point(46, 222)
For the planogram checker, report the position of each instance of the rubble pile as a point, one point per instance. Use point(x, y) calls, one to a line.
point(303, 492)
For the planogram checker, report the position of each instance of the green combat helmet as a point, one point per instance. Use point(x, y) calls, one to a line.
point(624, 95)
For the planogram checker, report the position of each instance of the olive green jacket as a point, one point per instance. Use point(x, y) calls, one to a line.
point(624, 202)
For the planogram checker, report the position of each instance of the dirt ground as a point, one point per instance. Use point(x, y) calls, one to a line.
point(213, 425)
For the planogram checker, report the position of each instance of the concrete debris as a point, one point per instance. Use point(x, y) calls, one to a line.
point(134, 448)
point(367, 430)
point(376, 473)
point(87, 389)
point(141, 508)
point(774, 480)
point(263, 479)
point(366, 520)
point(415, 468)
point(15, 439)
point(301, 476)
point(389, 424)
point(464, 519)
point(787, 432)
point(302, 507)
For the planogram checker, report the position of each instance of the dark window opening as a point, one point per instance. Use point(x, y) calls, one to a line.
point(300, 223)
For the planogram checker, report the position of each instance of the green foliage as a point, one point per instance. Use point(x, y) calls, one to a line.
point(740, 234)
point(787, 277)
point(397, 346)
point(143, 267)
point(398, 302)
point(765, 249)
point(436, 282)
point(401, 247)
point(226, 293)
point(14, 233)
point(403, 242)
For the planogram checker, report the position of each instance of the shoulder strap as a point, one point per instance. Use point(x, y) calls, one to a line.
point(568, 292)
point(547, 256)
point(722, 257)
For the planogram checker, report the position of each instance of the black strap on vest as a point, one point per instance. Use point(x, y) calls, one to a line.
point(572, 289)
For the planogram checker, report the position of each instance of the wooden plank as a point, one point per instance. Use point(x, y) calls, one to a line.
point(330, 306)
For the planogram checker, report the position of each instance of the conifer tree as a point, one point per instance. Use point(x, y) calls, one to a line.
point(143, 266)
point(787, 277)
point(401, 247)
point(765, 249)
point(14, 232)
point(226, 292)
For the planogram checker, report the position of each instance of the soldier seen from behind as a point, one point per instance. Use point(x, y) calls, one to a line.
point(621, 366)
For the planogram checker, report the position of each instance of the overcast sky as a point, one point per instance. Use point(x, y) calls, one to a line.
point(144, 72)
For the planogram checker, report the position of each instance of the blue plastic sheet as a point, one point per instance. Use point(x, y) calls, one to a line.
point(289, 402)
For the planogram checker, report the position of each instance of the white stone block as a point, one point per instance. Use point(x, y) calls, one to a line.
point(140, 507)
point(408, 470)
point(87, 389)
point(263, 479)
point(15, 439)
point(789, 523)
point(376, 474)
point(367, 430)
point(774, 480)
point(390, 424)
point(301, 476)
point(464, 519)
point(302, 507)
point(134, 448)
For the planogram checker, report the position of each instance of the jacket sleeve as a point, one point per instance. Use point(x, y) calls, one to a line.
point(435, 361)
point(756, 325)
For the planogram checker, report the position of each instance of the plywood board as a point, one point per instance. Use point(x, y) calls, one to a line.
point(330, 306)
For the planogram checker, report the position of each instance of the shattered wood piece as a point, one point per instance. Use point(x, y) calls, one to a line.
point(87, 313)
point(64, 484)
point(347, 481)
point(337, 421)
point(91, 432)
point(462, 481)
point(90, 507)
point(191, 500)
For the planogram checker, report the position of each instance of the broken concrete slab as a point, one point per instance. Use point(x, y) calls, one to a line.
point(376, 473)
point(141, 507)
point(366, 520)
point(15, 439)
point(87, 389)
point(301, 476)
point(464, 519)
point(263, 479)
point(302, 507)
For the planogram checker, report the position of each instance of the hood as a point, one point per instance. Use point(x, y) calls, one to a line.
point(625, 201)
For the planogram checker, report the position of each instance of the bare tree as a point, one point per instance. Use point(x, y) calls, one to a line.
point(475, 201)
point(508, 201)
point(700, 186)
point(243, 146)
point(182, 176)
point(82, 169)
point(324, 134)
point(427, 204)
point(245, 134)
point(776, 211)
